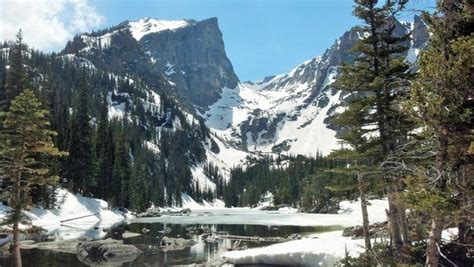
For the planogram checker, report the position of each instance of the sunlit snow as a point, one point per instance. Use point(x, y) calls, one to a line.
point(146, 26)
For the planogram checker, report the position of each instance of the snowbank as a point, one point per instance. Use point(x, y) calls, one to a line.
point(190, 203)
point(319, 249)
point(73, 206)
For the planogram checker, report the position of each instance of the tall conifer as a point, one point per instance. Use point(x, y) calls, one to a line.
point(379, 78)
point(26, 141)
point(80, 165)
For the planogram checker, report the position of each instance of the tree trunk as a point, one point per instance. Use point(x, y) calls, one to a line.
point(432, 254)
point(402, 216)
point(393, 219)
point(463, 228)
point(16, 205)
point(365, 214)
point(16, 246)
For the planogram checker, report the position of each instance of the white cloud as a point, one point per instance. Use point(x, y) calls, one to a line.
point(46, 24)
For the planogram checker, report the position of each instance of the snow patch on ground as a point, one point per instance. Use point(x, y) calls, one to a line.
point(189, 203)
point(73, 206)
point(199, 177)
point(315, 250)
point(100, 42)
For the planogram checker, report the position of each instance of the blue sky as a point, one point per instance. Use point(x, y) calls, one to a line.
point(262, 37)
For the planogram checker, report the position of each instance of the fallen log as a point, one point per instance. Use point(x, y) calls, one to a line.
point(256, 239)
point(80, 217)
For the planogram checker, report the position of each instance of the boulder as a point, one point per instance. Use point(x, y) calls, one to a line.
point(106, 252)
point(186, 211)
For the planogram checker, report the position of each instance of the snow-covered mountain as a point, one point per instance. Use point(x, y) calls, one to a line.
point(288, 113)
point(284, 114)
point(184, 57)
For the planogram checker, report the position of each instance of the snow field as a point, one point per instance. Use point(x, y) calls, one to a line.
point(73, 206)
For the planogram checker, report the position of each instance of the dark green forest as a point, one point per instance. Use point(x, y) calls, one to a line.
point(107, 158)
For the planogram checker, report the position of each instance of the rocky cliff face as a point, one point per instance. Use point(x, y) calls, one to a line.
point(420, 33)
point(194, 59)
point(185, 58)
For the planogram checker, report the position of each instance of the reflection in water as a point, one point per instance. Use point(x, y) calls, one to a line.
point(153, 255)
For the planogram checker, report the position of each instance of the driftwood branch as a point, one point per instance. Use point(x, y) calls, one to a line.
point(80, 217)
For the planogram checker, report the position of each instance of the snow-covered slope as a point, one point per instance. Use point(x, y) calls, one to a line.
point(281, 114)
point(257, 117)
point(98, 216)
point(146, 26)
point(289, 113)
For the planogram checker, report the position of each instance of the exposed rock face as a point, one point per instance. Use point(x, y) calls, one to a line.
point(193, 58)
point(420, 32)
point(188, 61)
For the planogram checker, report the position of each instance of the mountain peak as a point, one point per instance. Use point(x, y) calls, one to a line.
point(149, 25)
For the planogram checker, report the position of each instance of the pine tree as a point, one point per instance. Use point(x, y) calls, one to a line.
point(136, 186)
point(441, 102)
point(121, 171)
point(363, 152)
point(105, 154)
point(16, 76)
point(80, 165)
point(26, 140)
point(380, 76)
point(3, 81)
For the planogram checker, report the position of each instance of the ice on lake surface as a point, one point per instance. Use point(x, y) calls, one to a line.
point(349, 215)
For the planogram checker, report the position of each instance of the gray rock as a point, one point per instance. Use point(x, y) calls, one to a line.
point(106, 252)
point(65, 246)
point(420, 32)
point(200, 67)
point(186, 211)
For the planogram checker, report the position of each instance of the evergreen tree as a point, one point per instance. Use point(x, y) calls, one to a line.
point(441, 102)
point(3, 81)
point(379, 78)
point(121, 171)
point(137, 192)
point(80, 166)
point(105, 154)
point(16, 76)
point(363, 152)
point(26, 140)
